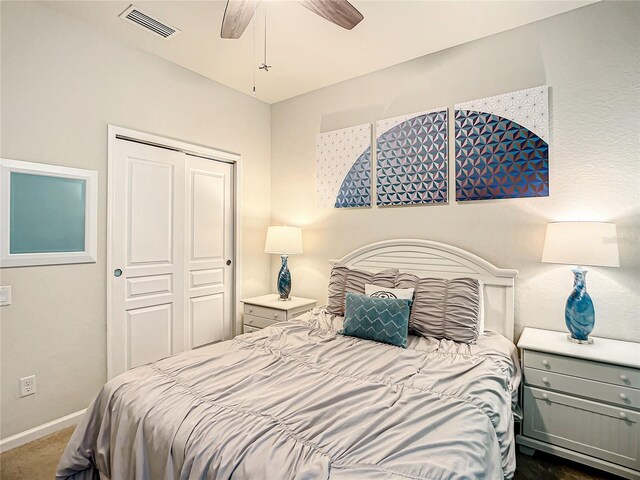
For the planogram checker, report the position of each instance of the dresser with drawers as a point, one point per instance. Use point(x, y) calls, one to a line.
point(261, 312)
point(581, 402)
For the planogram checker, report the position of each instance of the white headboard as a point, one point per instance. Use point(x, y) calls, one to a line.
point(425, 258)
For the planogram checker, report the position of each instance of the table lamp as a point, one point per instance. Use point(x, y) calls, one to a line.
point(581, 243)
point(284, 241)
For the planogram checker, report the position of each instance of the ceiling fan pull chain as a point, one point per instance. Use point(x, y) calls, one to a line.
point(253, 55)
point(265, 66)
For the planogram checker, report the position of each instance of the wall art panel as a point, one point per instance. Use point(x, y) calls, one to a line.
point(412, 158)
point(344, 167)
point(502, 146)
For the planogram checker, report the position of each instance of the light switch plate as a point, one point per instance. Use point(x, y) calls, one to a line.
point(5, 296)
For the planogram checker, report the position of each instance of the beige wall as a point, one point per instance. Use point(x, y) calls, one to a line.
point(62, 84)
point(591, 59)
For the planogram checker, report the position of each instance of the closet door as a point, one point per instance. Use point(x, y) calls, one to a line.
point(210, 251)
point(147, 254)
point(172, 252)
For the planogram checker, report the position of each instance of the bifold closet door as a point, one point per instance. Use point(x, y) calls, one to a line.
point(171, 251)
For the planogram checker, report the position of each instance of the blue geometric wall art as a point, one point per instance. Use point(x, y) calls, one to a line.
point(343, 162)
point(412, 158)
point(502, 146)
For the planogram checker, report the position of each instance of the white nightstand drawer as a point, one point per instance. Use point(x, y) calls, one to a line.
point(602, 372)
point(258, 322)
point(604, 431)
point(618, 395)
point(248, 329)
point(264, 312)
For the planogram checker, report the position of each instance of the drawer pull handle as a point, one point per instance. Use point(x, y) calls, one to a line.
point(623, 415)
point(251, 310)
point(545, 396)
point(545, 363)
point(623, 396)
point(250, 322)
point(623, 377)
point(275, 315)
point(545, 380)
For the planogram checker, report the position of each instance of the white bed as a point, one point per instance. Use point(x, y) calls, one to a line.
point(299, 400)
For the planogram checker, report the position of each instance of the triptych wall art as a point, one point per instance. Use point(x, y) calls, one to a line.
point(501, 146)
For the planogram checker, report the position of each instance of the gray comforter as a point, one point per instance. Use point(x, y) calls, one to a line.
point(298, 400)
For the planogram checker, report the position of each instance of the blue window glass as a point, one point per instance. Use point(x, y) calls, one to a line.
point(47, 214)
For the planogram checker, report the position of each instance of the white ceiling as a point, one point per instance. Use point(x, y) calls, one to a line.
point(306, 51)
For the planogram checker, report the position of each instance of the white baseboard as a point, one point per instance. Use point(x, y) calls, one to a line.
point(40, 431)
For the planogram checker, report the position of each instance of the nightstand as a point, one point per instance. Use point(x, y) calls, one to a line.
point(260, 312)
point(582, 402)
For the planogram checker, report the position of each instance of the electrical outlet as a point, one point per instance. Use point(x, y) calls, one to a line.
point(27, 385)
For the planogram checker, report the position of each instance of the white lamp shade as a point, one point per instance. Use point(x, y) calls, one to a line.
point(284, 240)
point(581, 243)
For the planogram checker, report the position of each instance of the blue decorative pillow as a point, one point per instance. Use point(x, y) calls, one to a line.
point(380, 319)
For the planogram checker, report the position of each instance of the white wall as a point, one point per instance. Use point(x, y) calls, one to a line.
point(62, 84)
point(591, 59)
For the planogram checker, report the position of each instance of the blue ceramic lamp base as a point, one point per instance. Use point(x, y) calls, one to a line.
point(579, 314)
point(284, 280)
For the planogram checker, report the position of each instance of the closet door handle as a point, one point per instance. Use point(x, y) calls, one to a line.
point(228, 263)
point(117, 272)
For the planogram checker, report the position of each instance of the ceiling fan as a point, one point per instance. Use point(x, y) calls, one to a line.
point(238, 13)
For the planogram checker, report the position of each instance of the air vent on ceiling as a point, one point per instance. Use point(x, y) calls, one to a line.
point(143, 20)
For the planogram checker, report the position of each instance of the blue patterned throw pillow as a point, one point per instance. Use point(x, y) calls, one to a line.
point(380, 319)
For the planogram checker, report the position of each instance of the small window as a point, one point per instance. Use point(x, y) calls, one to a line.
point(48, 214)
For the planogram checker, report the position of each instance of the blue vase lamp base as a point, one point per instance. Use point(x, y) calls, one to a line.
point(579, 314)
point(284, 280)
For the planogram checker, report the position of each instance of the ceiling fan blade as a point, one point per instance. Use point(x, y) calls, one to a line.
point(340, 12)
point(237, 16)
